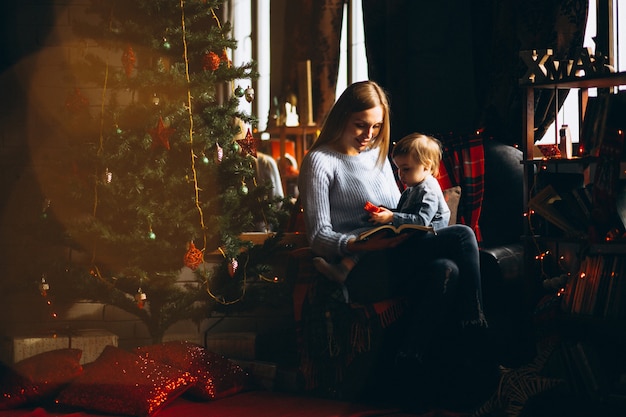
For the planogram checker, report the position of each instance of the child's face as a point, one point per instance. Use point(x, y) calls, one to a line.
point(410, 172)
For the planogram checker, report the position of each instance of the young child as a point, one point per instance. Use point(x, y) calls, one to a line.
point(417, 157)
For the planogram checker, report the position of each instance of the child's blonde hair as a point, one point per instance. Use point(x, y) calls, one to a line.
point(423, 149)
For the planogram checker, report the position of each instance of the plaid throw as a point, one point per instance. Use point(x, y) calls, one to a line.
point(331, 333)
point(464, 164)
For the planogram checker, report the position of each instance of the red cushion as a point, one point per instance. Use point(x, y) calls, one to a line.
point(217, 377)
point(38, 378)
point(121, 382)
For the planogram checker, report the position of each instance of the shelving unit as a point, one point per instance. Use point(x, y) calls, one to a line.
point(302, 136)
point(587, 328)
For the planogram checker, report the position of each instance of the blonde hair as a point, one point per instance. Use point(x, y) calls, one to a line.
point(423, 149)
point(357, 97)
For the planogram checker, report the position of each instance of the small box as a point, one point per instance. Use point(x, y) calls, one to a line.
point(17, 348)
point(90, 341)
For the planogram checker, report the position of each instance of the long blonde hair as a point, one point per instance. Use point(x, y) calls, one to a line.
point(357, 97)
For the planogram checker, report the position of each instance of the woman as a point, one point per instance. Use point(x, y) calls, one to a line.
point(348, 166)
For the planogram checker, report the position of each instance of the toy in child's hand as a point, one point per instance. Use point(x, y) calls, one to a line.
point(372, 208)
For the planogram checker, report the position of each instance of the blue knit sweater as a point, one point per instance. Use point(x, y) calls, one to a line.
point(334, 188)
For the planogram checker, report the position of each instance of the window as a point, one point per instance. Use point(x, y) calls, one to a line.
point(568, 114)
point(251, 28)
point(352, 57)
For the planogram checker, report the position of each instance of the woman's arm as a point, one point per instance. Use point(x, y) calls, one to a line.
point(333, 190)
point(314, 183)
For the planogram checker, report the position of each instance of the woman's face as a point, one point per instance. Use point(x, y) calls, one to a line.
point(361, 128)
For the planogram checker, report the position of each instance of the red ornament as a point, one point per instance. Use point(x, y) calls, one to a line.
point(44, 287)
point(141, 298)
point(220, 152)
point(128, 60)
point(161, 135)
point(76, 102)
point(248, 144)
point(194, 257)
point(211, 61)
point(232, 267)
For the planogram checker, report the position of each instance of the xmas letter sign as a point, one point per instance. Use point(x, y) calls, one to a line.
point(542, 67)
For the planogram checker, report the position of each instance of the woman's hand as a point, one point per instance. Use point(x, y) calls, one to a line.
point(378, 241)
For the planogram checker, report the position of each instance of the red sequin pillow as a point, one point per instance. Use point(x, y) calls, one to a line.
point(217, 376)
point(121, 382)
point(38, 378)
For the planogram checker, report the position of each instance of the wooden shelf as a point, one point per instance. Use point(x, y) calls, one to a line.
point(602, 81)
point(299, 134)
point(303, 137)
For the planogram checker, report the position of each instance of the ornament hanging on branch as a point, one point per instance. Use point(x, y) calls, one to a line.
point(141, 298)
point(249, 94)
point(211, 61)
point(248, 144)
point(45, 208)
point(220, 152)
point(76, 102)
point(108, 176)
point(161, 135)
point(232, 267)
point(44, 286)
point(128, 61)
point(239, 91)
point(166, 44)
point(194, 257)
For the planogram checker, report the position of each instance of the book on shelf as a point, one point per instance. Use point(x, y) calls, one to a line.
point(620, 205)
point(391, 229)
point(582, 195)
point(548, 204)
point(573, 376)
point(616, 290)
point(598, 288)
point(594, 122)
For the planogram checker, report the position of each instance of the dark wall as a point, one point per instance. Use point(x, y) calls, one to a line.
point(24, 31)
point(424, 54)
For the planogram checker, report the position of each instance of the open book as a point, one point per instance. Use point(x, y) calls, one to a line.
point(391, 229)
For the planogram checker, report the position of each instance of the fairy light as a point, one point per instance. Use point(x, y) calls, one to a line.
point(44, 288)
point(244, 285)
point(189, 109)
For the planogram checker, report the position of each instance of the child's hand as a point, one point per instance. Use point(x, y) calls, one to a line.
point(382, 216)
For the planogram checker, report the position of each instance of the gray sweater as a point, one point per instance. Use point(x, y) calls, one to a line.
point(334, 188)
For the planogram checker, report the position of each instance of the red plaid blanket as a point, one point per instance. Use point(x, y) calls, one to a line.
point(464, 164)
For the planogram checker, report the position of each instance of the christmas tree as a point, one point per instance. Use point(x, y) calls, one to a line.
point(157, 164)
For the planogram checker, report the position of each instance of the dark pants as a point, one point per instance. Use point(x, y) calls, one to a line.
point(439, 275)
point(425, 270)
